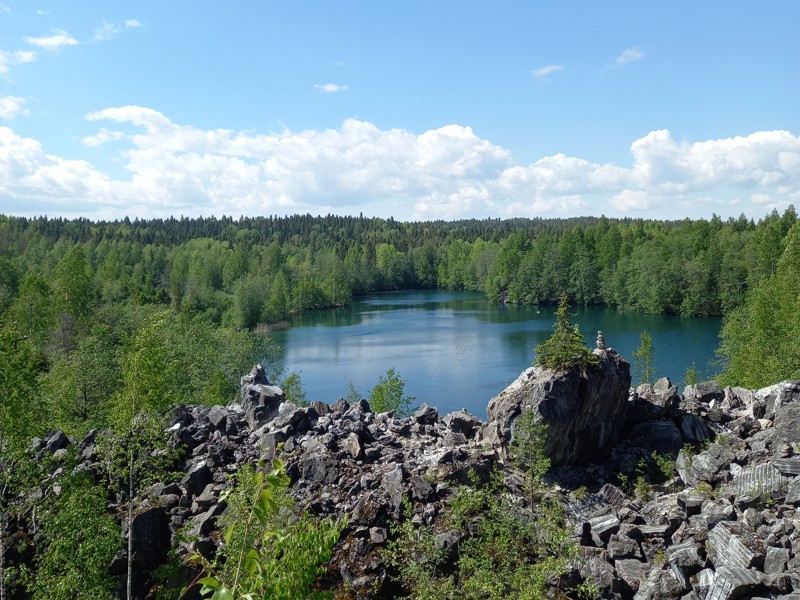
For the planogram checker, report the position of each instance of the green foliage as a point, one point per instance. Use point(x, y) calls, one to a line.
point(270, 551)
point(507, 551)
point(644, 359)
point(690, 377)
point(353, 395)
point(75, 543)
point(528, 451)
point(565, 349)
point(389, 395)
point(293, 389)
point(761, 339)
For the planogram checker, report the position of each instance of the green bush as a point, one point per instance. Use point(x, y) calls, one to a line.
point(271, 550)
point(389, 394)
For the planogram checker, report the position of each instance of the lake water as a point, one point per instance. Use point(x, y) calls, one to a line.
point(457, 350)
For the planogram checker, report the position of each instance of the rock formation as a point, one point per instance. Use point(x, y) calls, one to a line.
point(726, 526)
point(583, 409)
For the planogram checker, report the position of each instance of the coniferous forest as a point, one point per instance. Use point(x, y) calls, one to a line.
point(103, 322)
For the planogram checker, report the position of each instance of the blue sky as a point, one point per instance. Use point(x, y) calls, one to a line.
point(416, 110)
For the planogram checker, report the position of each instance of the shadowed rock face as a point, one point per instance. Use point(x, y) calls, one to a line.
point(584, 410)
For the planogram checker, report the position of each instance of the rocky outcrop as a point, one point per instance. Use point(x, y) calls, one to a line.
point(725, 526)
point(584, 410)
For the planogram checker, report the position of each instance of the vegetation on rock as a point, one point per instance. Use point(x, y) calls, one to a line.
point(565, 349)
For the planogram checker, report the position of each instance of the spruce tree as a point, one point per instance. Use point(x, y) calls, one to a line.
point(565, 348)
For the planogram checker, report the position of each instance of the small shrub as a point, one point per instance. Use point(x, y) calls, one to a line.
point(389, 395)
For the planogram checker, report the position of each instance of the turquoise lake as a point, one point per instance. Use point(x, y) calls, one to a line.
point(457, 350)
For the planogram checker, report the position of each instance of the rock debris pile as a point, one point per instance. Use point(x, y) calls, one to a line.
point(726, 526)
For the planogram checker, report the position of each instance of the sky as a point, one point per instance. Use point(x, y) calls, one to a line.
point(417, 110)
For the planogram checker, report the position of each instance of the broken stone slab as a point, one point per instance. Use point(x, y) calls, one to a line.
point(702, 582)
point(787, 466)
point(733, 582)
point(793, 492)
point(750, 483)
point(615, 497)
point(654, 531)
point(604, 525)
point(775, 561)
point(584, 508)
point(694, 429)
point(621, 547)
point(711, 465)
point(631, 571)
point(684, 559)
point(461, 421)
point(659, 584)
point(734, 544)
point(690, 502)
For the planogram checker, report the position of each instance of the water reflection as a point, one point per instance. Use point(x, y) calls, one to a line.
point(456, 349)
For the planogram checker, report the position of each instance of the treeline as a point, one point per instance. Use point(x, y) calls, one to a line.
point(238, 273)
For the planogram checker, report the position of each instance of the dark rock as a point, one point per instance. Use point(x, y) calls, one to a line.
point(198, 477)
point(463, 422)
point(57, 441)
point(584, 411)
point(151, 538)
point(705, 392)
point(694, 429)
point(318, 467)
point(426, 415)
point(218, 417)
point(661, 436)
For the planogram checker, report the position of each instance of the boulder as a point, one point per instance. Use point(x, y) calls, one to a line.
point(583, 409)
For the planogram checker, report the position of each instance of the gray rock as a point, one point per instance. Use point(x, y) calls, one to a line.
point(775, 561)
point(198, 477)
point(793, 492)
point(426, 415)
point(218, 417)
point(318, 467)
point(750, 483)
point(694, 429)
point(584, 411)
point(734, 544)
point(661, 436)
point(463, 422)
point(620, 547)
point(631, 571)
point(733, 582)
point(787, 466)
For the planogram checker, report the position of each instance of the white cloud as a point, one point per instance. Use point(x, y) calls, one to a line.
point(628, 200)
point(448, 172)
point(102, 136)
point(108, 31)
point(53, 42)
point(11, 106)
point(18, 57)
point(330, 88)
point(628, 56)
point(545, 71)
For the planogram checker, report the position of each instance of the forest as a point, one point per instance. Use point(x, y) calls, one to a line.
point(102, 322)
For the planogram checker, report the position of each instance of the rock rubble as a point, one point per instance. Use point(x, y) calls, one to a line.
point(727, 525)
